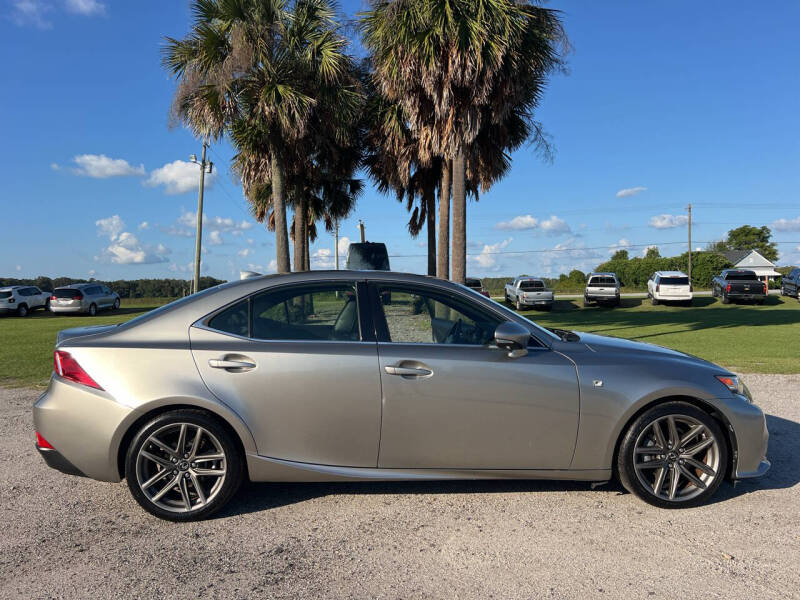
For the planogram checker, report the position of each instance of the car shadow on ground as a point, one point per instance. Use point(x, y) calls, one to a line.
point(783, 453)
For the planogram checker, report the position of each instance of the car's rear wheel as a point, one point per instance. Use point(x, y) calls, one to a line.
point(654, 300)
point(183, 465)
point(725, 299)
point(22, 310)
point(92, 310)
point(673, 456)
point(116, 304)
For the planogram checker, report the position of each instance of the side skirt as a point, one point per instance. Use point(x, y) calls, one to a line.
point(262, 468)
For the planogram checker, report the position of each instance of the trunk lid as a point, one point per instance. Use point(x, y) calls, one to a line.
point(67, 334)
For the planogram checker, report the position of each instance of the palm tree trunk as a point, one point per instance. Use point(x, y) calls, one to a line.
point(307, 249)
point(430, 209)
point(300, 233)
point(443, 251)
point(459, 218)
point(279, 209)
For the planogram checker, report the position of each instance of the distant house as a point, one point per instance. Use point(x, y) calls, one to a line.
point(752, 260)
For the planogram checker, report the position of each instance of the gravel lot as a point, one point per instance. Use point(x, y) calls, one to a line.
point(70, 537)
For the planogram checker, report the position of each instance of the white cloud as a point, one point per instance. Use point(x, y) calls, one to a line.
point(86, 7)
point(125, 248)
point(250, 241)
point(245, 252)
point(646, 248)
point(272, 267)
point(566, 256)
point(628, 192)
point(101, 166)
point(55, 166)
point(554, 226)
point(322, 258)
point(144, 225)
point(179, 177)
point(344, 244)
point(668, 221)
point(18, 268)
point(110, 226)
point(215, 238)
point(92, 272)
point(487, 258)
point(221, 224)
point(30, 12)
point(519, 223)
point(622, 244)
point(786, 224)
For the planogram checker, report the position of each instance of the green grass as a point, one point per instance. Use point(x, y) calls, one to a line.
point(754, 339)
point(747, 338)
point(26, 345)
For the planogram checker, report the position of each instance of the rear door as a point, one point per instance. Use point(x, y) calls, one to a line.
point(452, 401)
point(299, 364)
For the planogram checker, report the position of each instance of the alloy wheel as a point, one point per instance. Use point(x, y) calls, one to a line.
point(676, 458)
point(181, 467)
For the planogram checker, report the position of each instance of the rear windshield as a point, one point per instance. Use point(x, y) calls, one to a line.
point(602, 282)
point(66, 293)
point(474, 284)
point(5, 294)
point(740, 276)
point(531, 285)
point(674, 280)
point(367, 257)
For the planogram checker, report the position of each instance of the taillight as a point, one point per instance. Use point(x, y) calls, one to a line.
point(691, 287)
point(43, 443)
point(78, 297)
point(68, 368)
point(728, 288)
point(11, 300)
point(53, 298)
point(658, 287)
point(765, 289)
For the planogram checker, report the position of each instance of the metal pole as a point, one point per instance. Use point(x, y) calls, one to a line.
point(199, 239)
point(690, 243)
point(336, 243)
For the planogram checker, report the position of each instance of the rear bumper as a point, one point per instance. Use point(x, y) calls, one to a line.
point(739, 296)
point(66, 309)
point(677, 298)
point(537, 302)
point(84, 426)
point(602, 297)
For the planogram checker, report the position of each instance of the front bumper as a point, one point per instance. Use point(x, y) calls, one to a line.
point(84, 426)
point(751, 437)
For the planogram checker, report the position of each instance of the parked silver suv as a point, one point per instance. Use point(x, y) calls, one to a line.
point(83, 298)
point(602, 288)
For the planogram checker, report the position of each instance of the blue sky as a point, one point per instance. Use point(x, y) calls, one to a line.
point(665, 104)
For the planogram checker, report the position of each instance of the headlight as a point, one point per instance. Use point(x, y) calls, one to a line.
point(734, 384)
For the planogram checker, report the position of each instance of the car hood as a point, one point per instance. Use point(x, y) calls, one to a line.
point(619, 346)
point(67, 334)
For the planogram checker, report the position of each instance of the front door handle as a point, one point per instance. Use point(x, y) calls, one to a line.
point(223, 363)
point(407, 371)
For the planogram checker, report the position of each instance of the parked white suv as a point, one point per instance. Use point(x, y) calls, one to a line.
point(669, 286)
point(22, 299)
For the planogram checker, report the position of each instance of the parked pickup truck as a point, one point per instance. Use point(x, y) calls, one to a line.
point(529, 291)
point(738, 284)
point(22, 299)
point(602, 288)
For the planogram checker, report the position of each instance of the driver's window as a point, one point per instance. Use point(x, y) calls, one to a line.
point(416, 316)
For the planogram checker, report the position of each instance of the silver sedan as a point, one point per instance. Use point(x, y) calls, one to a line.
point(348, 375)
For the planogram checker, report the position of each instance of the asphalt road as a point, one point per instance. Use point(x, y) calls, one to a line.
point(69, 537)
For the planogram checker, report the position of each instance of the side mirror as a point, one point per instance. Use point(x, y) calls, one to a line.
point(512, 337)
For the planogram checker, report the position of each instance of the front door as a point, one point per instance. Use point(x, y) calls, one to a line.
point(452, 400)
point(293, 363)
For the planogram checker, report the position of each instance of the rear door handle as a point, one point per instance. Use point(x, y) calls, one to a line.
point(222, 363)
point(407, 371)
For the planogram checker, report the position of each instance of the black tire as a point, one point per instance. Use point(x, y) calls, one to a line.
point(116, 305)
point(234, 464)
point(653, 300)
point(92, 309)
point(22, 310)
point(625, 456)
point(518, 305)
point(547, 307)
point(46, 305)
point(783, 291)
point(725, 299)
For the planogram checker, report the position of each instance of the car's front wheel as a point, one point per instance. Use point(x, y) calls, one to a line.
point(673, 456)
point(183, 465)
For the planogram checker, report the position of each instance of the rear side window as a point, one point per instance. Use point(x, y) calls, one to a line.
point(5, 294)
point(235, 319)
point(531, 285)
point(602, 282)
point(66, 293)
point(674, 281)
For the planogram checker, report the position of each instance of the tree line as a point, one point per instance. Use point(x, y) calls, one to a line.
point(447, 91)
point(126, 288)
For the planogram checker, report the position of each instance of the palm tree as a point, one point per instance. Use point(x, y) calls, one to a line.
point(258, 71)
point(456, 67)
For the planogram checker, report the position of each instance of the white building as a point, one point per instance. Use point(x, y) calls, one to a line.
point(752, 260)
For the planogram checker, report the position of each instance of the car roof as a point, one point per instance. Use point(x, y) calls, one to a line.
point(602, 274)
point(671, 274)
point(9, 288)
point(76, 285)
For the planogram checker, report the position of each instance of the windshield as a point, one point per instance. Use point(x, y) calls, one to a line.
point(602, 282)
point(740, 276)
point(674, 281)
point(531, 284)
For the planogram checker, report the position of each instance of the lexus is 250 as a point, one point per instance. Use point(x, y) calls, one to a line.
point(318, 376)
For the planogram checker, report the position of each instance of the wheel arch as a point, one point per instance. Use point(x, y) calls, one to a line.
point(237, 433)
point(706, 407)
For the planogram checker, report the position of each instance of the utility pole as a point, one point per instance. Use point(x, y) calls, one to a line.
point(336, 243)
point(361, 229)
point(203, 165)
point(690, 242)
